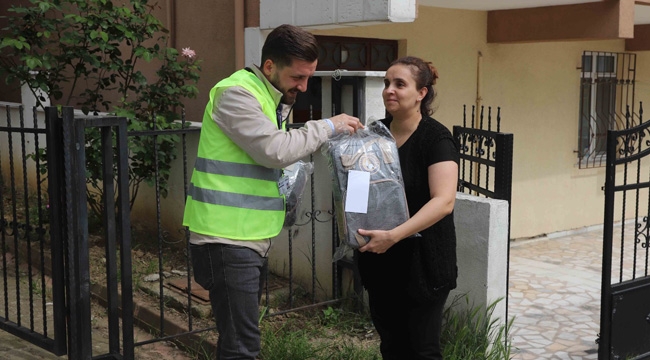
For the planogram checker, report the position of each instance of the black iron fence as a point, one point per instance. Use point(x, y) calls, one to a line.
point(624, 309)
point(33, 297)
point(46, 223)
point(485, 167)
point(485, 155)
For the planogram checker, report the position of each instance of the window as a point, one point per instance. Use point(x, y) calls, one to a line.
point(343, 53)
point(349, 53)
point(606, 89)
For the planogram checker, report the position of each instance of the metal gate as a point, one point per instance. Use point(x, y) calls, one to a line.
point(31, 309)
point(625, 304)
point(28, 310)
point(31, 254)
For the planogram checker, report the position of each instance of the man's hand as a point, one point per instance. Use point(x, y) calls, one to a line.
point(344, 123)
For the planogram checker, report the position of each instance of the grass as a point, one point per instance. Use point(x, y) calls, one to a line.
point(300, 338)
point(474, 333)
point(335, 333)
point(330, 333)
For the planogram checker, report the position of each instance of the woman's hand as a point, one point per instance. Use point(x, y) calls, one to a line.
point(380, 241)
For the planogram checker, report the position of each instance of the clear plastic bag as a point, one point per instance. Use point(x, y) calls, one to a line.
point(292, 185)
point(372, 150)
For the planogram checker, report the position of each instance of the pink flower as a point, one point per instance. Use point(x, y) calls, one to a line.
point(188, 53)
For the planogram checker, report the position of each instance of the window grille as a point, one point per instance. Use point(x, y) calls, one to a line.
point(607, 83)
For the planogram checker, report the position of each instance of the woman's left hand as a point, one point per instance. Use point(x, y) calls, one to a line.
point(380, 241)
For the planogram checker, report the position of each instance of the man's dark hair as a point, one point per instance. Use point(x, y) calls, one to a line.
point(286, 43)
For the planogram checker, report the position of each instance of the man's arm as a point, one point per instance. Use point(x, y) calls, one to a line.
point(240, 117)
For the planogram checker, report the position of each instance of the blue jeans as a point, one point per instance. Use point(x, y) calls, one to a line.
point(233, 276)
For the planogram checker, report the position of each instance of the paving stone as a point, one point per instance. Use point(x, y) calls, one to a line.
point(556, 289)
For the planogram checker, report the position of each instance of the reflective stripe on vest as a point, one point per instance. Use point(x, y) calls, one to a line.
point(224, 198)
point(235, 169)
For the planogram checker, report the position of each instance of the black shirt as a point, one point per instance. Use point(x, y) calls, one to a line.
point(419, 265)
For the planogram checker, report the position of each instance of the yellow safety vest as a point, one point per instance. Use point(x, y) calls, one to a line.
point(231, 195)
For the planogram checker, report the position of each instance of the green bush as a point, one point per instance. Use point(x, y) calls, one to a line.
point(78, 51)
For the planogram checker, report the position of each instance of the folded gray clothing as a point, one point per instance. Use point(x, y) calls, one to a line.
point(373, 150)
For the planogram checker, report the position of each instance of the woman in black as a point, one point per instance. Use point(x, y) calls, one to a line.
point(408, 277)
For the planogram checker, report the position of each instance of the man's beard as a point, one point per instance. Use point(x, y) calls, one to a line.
point(288, 96)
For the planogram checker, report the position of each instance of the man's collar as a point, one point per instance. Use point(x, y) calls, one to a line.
point(275, 93)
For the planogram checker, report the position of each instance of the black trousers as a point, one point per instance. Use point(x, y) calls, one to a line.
point(408, 329)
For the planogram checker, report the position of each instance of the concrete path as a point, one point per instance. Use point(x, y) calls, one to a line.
point(554, 296)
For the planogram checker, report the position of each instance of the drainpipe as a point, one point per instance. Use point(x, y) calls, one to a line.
point(479, 99)
point(239, 33)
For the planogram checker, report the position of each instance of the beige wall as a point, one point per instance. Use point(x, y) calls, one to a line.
point(451, 45)
point(537, 87)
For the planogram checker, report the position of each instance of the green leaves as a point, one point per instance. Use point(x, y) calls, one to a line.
point(99, 35)
point(80, 51)
point(19, 43)
point(45, 6)
point(33, 62)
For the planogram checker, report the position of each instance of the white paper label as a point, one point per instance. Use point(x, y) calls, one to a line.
point(356, 199)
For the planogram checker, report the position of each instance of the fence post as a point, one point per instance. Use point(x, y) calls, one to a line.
point(503, 170)
point(503, 167)
point(124, 237)
point(76, 220)
point(57, 208)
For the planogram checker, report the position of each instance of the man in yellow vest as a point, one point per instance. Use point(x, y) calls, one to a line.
point(234, 206)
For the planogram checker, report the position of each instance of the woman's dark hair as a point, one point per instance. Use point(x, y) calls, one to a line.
point(286, 43)
point(425, 75)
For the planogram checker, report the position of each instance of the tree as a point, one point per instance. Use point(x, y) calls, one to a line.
point(78, 51)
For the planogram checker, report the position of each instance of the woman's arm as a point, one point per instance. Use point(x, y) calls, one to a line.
point(443, 180)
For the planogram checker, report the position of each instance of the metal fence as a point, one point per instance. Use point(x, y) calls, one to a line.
point(625, 285)
point(33, 296)
point(486, 160)
point(485, 155)
point(46, 222)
